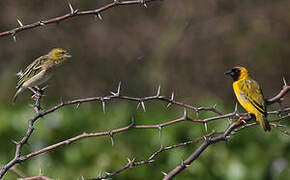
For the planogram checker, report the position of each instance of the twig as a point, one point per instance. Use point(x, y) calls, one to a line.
point(280, 95)
point(40, 177)
point(151, 158)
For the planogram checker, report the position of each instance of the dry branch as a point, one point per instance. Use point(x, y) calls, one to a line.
point(209, 138)
point(73, 13)
point(38, 114)
point(280, 95)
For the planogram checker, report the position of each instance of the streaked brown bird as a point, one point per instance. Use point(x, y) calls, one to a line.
point(40, 70)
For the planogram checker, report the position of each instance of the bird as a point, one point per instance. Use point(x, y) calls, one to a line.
point(40, 70)
point(249, 95)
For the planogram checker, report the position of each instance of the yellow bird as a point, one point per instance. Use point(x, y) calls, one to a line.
point(40, 70)
point(249, 95)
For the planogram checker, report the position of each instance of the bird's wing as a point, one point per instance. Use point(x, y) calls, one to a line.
point(255, 95)
point(31, 70)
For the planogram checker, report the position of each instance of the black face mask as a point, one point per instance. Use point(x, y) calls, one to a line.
point(234, 73)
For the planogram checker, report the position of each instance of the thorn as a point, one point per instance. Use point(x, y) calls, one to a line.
point(278, 125)
point(78, 105)
point(131, 162)
point(40, 172)
point(41, 23)
point(116, 1)
point(159, 131)
point(114, 94)
point(284, 81)
point(138, 105)
point(185, 113)
point(103, 106)
point(111, 137)
point(119, 88)
point(214, 106)
point(132, 121)
point(243, 121)
point(158, 91)
point(107, 173)
point(19, 22)
point(100, 175)
point(15, 142)
point(83, 178)
point(164, 173)
point(71, 8)
point(14, 36)
point(144, 3)
point(171, 99)
point(143, 106)
point(172, 96)
point(99, 16)
point(45, 87)
point(236, 108)
point(230, 120)
point(205, 126)
point(61, 101)
point(182, 163)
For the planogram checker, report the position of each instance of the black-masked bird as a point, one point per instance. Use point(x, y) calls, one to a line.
point(40, 70)
point(249, 95)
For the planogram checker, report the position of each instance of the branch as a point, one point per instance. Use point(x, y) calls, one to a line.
point(40, 177)
point(73, 13)
point(37, 97)
point(38, 114)
point(279, 97)
point(150, 160)
point(232, 129)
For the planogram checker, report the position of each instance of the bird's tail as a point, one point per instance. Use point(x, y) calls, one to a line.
point(263, 122)
point(17, 93)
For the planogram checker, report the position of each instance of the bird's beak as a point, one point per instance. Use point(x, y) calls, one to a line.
point(67, 55)
point(229, 72)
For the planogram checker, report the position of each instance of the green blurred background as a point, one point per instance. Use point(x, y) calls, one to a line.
point(185, 46)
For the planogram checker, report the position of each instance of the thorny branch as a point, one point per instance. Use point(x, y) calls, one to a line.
point(37, 97)
point(73, 13)
point(227, 132)
point(133, 163)
point(209, 138)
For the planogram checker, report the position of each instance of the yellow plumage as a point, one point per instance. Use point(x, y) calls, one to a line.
point(249, 95)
